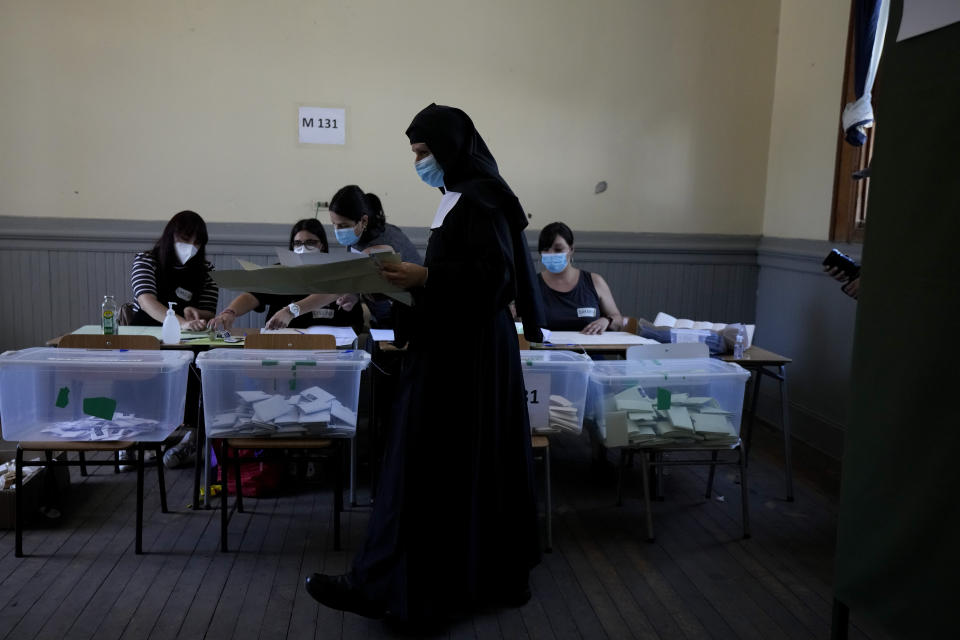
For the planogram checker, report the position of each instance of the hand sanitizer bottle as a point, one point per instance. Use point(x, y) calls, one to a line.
point(170, 334)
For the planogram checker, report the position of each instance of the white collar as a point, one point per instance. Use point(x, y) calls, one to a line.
point(446, 204)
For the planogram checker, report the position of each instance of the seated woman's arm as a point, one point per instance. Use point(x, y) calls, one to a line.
point(243, 303)
point(206, 306)
point(281, 319)
point(153, 307)
point(156, 310)
point(610, 318)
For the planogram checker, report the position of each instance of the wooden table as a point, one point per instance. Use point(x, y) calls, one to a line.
point(761, 362)
point(196, 340)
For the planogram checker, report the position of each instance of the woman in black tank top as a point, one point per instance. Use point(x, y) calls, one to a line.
point(574, 299)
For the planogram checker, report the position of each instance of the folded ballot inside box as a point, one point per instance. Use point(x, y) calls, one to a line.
point(695, 401)
point(281, 393)
point(556, 386)
point(92, 394)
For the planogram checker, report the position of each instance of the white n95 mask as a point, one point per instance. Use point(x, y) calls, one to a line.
point(185, 251)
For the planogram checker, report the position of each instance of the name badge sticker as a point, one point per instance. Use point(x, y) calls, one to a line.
point(587, 312)
point(183, 294)
point(325, 314)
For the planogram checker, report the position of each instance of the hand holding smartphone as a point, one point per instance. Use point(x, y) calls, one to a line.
point(839, 263)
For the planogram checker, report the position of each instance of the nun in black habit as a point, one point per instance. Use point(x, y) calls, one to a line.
point(454, 525)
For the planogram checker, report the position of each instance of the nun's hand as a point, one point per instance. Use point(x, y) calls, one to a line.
point(405, 275)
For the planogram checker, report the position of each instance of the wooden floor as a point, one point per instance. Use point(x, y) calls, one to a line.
point(81, 578)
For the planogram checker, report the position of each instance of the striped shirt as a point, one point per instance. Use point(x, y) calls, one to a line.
point(143, 278)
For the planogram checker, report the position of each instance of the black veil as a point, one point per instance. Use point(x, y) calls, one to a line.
point(469, 168)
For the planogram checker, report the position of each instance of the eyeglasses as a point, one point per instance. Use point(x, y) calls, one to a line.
point(306, 243)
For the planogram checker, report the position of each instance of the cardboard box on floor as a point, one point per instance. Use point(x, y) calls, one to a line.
point(33, 492)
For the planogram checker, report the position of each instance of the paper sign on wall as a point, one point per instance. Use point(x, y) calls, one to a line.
point(320, 125)
point(538, 398)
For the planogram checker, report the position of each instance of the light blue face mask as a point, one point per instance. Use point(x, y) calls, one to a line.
point(347, 237)
point(429, 171)
point(554, 262)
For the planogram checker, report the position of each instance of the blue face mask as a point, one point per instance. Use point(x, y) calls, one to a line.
point(429, 171)
point(347, 237)
point(554, 262)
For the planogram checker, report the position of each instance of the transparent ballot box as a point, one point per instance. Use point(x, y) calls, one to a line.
point(684, 401)
point(556, 383)
point(281, 393)
point(49, 394)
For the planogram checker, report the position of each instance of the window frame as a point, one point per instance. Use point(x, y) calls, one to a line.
point(851, 196)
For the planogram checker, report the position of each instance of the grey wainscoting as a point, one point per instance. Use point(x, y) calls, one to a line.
point(54, 273)
point(801, 313)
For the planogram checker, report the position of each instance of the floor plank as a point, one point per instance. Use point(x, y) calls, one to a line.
point(699, 579)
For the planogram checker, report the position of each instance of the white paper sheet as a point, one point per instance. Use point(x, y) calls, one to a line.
point(345, 336)
point(382, 335)
point(607, 337)
point(923, 16)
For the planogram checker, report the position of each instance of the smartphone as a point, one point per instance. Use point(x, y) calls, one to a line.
point(841, 261)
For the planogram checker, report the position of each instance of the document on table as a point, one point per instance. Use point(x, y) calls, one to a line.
point(345, 336)
point(315, 273)
point(382, 335)
point(607, 337)
point(546, 332)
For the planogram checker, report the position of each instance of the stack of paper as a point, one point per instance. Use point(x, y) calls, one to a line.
point(314, 411)
point(315, 273)
point(667, 320)
point(8, 474)
point(563, 415)
point(680, 419)
point(91, 429)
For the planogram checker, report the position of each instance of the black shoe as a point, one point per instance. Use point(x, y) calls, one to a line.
point(337, 592)
point(516, 598)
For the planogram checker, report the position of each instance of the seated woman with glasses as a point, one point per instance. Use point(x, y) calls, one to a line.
point(307, 236)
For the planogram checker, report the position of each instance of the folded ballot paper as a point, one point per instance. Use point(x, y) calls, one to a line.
point(315, 273)
point(313, 411)
point(667, 419)
point(563, 415)
point(667, 320)
point(93, 429)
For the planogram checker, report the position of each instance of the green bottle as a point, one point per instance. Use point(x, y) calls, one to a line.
point(108, 316)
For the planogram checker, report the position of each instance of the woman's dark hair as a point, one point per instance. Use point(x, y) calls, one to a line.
point(550, 233)
point(310, 225)
point(351, 202)
point(186, 225)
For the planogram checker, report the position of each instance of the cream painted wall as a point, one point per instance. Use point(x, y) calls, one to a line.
point(806, 118)
point(137, 109)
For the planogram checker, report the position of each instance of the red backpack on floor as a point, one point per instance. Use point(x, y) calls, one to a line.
point(258, 478)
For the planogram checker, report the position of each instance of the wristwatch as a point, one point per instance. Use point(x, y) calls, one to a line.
point(294, 309)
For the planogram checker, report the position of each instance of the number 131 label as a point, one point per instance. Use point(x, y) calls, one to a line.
point(320, 125)
point(538, 399)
